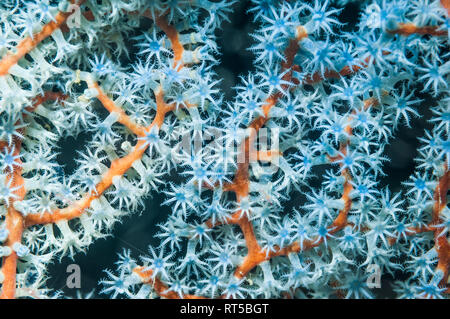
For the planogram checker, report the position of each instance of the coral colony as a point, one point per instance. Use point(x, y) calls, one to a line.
point(275, 193)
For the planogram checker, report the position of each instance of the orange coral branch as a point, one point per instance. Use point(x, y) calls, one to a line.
point(345, 71)
point(14, 220)
point(410, 28)
point(29, 43)
point(14, 224)
point(446, 5)
point(256, 255)
point(112, 107)
point(267, 156)
point(172, 34)
point(411, 231)
point(240, 183)
point(440, 241)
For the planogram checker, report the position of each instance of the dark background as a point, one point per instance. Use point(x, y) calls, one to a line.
point(136, 231)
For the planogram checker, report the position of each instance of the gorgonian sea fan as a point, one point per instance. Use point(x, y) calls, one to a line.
point(277, 192)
